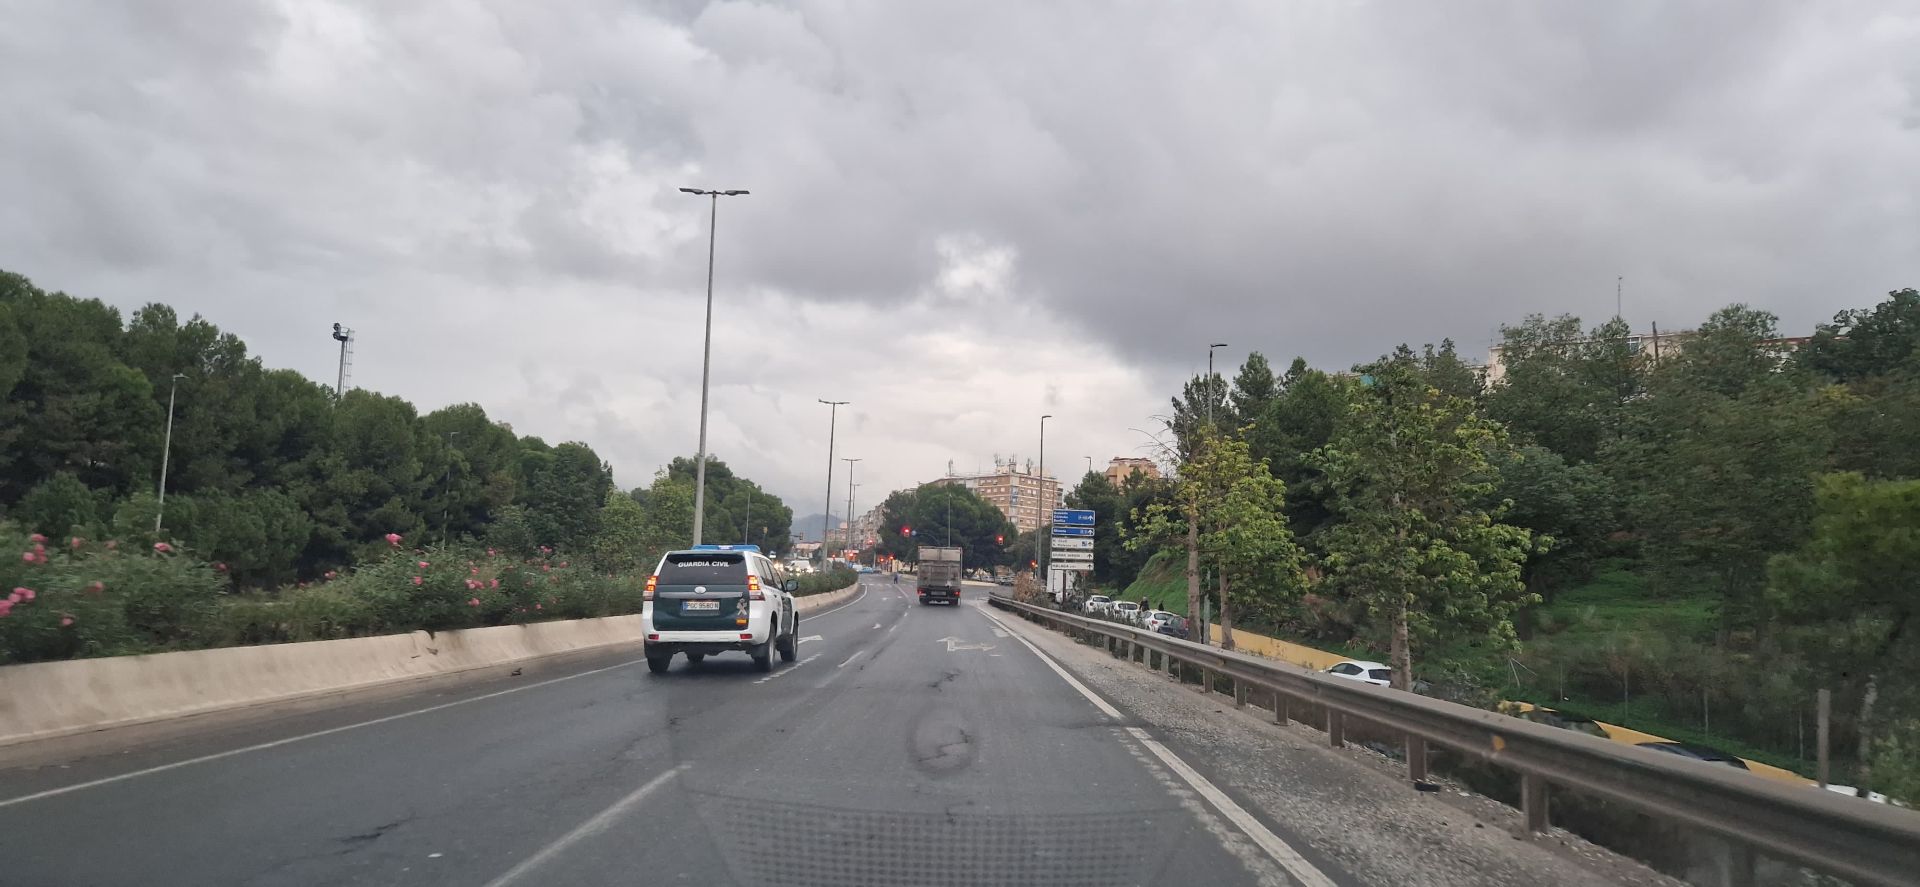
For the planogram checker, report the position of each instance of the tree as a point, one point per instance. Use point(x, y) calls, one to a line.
point(1245, 536)
point(1563, 389)
point(1862, 343)
point(1569, 508)
point(1415, 540)
point(563, 490)
point(1311, 406)
point(58, 506)
point(943, 514)
point(1717, 463)
point(1860, 571)
point(620, 545)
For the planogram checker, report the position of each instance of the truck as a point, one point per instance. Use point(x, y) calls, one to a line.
point(938, 579)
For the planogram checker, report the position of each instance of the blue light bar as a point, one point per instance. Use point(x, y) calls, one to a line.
point(741, 547)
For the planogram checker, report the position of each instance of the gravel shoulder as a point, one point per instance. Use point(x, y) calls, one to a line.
point(1354, 806)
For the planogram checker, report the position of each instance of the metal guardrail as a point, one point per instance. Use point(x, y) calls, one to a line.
point(1847, 837)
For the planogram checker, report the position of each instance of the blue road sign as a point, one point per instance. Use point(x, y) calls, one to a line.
point(1073, 517)
point(1072, 531)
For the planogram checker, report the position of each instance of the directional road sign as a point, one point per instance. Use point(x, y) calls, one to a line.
point(1063, 556)
point(1073, 517)
point(1065, 542)
point(1072, 531)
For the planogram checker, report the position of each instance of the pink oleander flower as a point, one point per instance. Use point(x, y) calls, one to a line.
point(423, 565)
point(5, 608)
point(96, 587)
point(75, 543)
point(393, 539)
point(417, 580)
point(493, 583)
point(65, 620)
point(473, 602)
point(36, 539)
point(162, 547)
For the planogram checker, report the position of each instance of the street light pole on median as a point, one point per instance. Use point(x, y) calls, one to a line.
point(166, 450)
point(826, 518)
point(706, 363)
point(849, 517)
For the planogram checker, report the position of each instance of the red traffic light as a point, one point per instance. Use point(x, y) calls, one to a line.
point(1033, 563)
point(906, 531)
point(999, 539)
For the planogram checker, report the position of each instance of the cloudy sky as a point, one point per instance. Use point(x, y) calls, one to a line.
point(964, 214)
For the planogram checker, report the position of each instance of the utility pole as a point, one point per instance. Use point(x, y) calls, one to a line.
point(706, 363)
point(1618, 284)
point(826, 517)
point(166, 450)
point(1046, 516)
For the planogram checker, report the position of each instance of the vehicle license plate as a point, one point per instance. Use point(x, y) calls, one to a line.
point(700, 605)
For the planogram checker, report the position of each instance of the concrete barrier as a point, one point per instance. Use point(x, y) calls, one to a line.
point(43, 700)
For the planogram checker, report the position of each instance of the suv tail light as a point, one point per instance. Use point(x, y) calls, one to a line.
point(651, 581)
point(753, 588)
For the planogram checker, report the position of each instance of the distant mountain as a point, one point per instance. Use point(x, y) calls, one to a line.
point(807, 529)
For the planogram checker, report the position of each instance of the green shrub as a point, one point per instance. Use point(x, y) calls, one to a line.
point(833, 580)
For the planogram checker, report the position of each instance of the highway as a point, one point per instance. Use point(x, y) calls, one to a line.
point(908, 745)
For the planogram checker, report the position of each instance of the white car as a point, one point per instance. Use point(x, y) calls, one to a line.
point(1125, 611)
point(1096, 604)
point(1156, 618)
point(1363, 671)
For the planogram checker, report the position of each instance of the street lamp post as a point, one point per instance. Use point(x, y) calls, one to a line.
point(849, 518)
point(446, 529)
point(1210, 382)
point(706, 363)
point(1046, 516)
point(1089, 464)
point(166, 450)
point(826, 518)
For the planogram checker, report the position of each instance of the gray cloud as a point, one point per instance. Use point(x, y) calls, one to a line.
point(963, 215)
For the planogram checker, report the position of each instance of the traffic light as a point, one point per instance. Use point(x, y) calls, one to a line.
point(1034, 564)
point(906, 531)
point(999, 539)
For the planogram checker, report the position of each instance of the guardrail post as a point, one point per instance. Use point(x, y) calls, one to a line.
point(1279, 708)
point(1533, 802)
point(1336, 728)
point(1206, 680)
point(1416, 758)
point(1239, 693)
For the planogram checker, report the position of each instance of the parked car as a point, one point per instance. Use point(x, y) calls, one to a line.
point(1175, 627)
point(1697, 753)
point(1125, 611)
point(1363, 671)
point(1153, 619)
point(1096, 604)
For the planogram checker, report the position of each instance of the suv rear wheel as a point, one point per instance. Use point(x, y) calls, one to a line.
point(659, 664)
point(789, 643)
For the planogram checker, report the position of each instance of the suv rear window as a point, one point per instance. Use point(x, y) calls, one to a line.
point(704, 568)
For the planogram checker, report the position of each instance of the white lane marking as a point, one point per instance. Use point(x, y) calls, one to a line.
point(789, 670)
point(896, 623)
point(876, 626)
point(597, 824)
point(999, 632)
point(1099, 703)
point(856, 655)
point(812, 637)
point(1281, 852)
point(955, 645)
point(52, 792)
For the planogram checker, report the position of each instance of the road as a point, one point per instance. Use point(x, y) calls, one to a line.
point(908, 744)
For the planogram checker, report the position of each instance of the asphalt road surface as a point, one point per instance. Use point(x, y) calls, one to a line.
point(908, 745)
